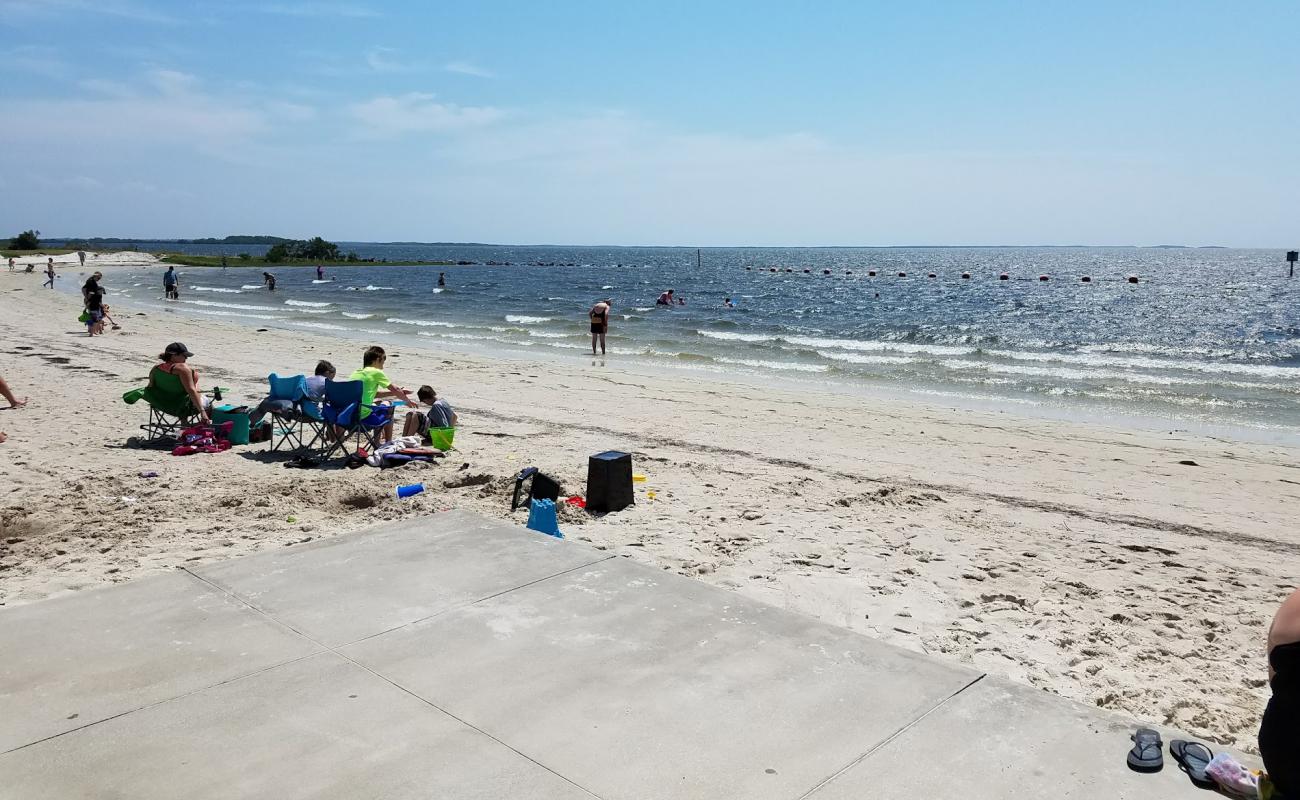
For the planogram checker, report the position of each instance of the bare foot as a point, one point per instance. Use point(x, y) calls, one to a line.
point(3, 437)
point(18, 403)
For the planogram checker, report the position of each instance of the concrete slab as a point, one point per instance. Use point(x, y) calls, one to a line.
point(318, 728)
point(75, 660)
point(636, 683)
point(343, 589)
point(1000, 740)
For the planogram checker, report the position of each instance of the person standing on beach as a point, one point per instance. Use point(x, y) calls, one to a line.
point(1279, 731)
point(81, 254)
point(93, 294)
point(49, 273)
point(599, 316)
point(269, 280)
point(169, 284)
point(11, 263)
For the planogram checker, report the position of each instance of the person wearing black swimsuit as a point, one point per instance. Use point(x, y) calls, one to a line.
point(1279, 732)
point(599, 315)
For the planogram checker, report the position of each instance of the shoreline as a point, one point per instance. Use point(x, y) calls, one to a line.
point(937, 396)
point(1084, 559)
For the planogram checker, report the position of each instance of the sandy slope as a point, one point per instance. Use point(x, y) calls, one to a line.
point(1084, 560)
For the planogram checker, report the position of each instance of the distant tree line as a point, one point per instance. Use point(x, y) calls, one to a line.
point(314, 249)
point(27, 240)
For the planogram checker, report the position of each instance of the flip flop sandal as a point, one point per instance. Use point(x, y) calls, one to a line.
point(1145, 756)
point(1193, 758)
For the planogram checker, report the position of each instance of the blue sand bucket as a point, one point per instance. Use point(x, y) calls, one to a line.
point(410, 489)
point(541, 518)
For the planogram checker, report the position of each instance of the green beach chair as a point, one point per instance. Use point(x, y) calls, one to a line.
point(170, 409)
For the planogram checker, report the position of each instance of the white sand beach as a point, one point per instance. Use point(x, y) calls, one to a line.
point(1131, 569)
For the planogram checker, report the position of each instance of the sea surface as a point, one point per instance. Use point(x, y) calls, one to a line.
point(1205, 336)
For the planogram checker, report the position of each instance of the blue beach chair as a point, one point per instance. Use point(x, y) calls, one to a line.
point(342, 411)
point(289, 391)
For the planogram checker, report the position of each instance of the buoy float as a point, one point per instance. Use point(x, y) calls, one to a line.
point(826, 272)
point(1004, 277)
point(772, 269)
point(931, 275)
point(965, 275)
point(807, 271)
point(871, 273)
point(787, 269)
point(1086, 279)
point(848, 272)
point(747, 269)
point(1132, 279)
point(1042, 277)
point(902, 274)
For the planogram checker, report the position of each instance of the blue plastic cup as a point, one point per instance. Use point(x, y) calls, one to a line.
point(410, 489)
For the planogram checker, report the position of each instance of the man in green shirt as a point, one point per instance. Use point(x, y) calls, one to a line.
point(375, 384)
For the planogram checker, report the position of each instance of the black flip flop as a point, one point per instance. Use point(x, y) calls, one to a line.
point(1145, 755)
point(1193, 758)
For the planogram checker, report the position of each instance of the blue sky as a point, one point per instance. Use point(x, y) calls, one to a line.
point(689, 123)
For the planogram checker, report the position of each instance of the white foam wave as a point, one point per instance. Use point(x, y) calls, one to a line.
point(1143, 362)
point(326, 280)
point(350, 315)
point(324, 326)
point(737, 337)
point(215, 289)
point(858, 358)
point(876, 346)
point(778, 365)
point(236, 306)
point(251, 286)
point(213, 313)
point(549, 335)
point(306, 304)
point(526, 320)
point(423, 323)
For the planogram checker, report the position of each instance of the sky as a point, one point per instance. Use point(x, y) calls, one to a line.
point(654, 123)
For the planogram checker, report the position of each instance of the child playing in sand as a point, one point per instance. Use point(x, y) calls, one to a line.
point(439, 415)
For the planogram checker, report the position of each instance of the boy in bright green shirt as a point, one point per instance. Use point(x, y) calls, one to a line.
point(375, 384)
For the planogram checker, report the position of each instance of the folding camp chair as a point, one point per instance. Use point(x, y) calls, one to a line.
point(288, 422)
point(170, 409)
point(342, 410)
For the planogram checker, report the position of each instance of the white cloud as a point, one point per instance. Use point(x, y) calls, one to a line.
point(123, 9)
point(345, 10)
point(417, 112)
point(466, 68)
point(382, 59)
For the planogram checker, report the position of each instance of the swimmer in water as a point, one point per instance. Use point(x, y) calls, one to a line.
point(442, 279)
point(728, 303)
point(599, 316)
point(681, 301)
point(665, 299)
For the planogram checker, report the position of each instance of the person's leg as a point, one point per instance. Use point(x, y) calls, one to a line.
point(602, 344)
point(412, 424)
point(8, 394)
point(594, 336)
point(1279, 740)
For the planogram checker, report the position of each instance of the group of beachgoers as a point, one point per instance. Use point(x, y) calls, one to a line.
point(377, 390)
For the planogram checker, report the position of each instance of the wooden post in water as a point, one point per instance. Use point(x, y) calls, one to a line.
point(697, 258)
point(1291, 256)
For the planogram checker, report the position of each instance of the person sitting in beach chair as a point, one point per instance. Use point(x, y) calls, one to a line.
point(375, 384)
point(437, 425)
point(295, 403)
point(1279, 731)
point(172, 394)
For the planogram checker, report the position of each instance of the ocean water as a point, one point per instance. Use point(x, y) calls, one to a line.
point(1205, 336)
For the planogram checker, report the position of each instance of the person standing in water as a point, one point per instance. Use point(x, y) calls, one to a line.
point(320, 272)
point(665, 299)
point(169, 284)
point(442, 279)
point(599, 316)
point(269, 280)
